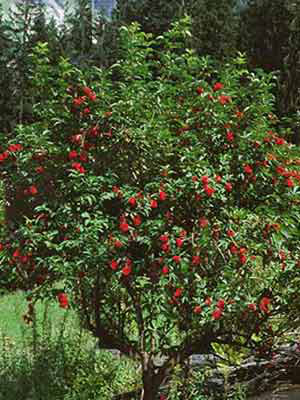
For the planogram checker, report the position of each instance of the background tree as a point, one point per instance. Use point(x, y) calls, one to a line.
point(214, 24)
point(77, 31)
point(268, 34)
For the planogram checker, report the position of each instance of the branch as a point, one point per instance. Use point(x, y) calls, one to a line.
point(109, 340)
point(140, 320)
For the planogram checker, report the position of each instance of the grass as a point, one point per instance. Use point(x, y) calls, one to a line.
point(14, 306)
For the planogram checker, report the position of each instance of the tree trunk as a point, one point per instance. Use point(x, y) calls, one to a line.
point(150, 387)
point(150, 392)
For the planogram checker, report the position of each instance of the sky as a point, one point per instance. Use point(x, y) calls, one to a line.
point(56, 7)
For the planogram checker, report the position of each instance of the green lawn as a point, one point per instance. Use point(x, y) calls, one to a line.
point(50, 319)
point(14, 306)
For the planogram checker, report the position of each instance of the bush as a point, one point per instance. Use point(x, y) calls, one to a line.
point(158, 196)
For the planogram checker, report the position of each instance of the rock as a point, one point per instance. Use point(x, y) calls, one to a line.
point(203, 360)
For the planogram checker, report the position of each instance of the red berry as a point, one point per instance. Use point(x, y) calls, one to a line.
point(165, 270)
point(126, 270)
point(162, 196)
point(132, 201)
point(197, 309)
point(217, 313)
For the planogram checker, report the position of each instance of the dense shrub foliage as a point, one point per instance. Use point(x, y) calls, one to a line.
point(158, 196)
point(269, 38)
point(267, 31)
